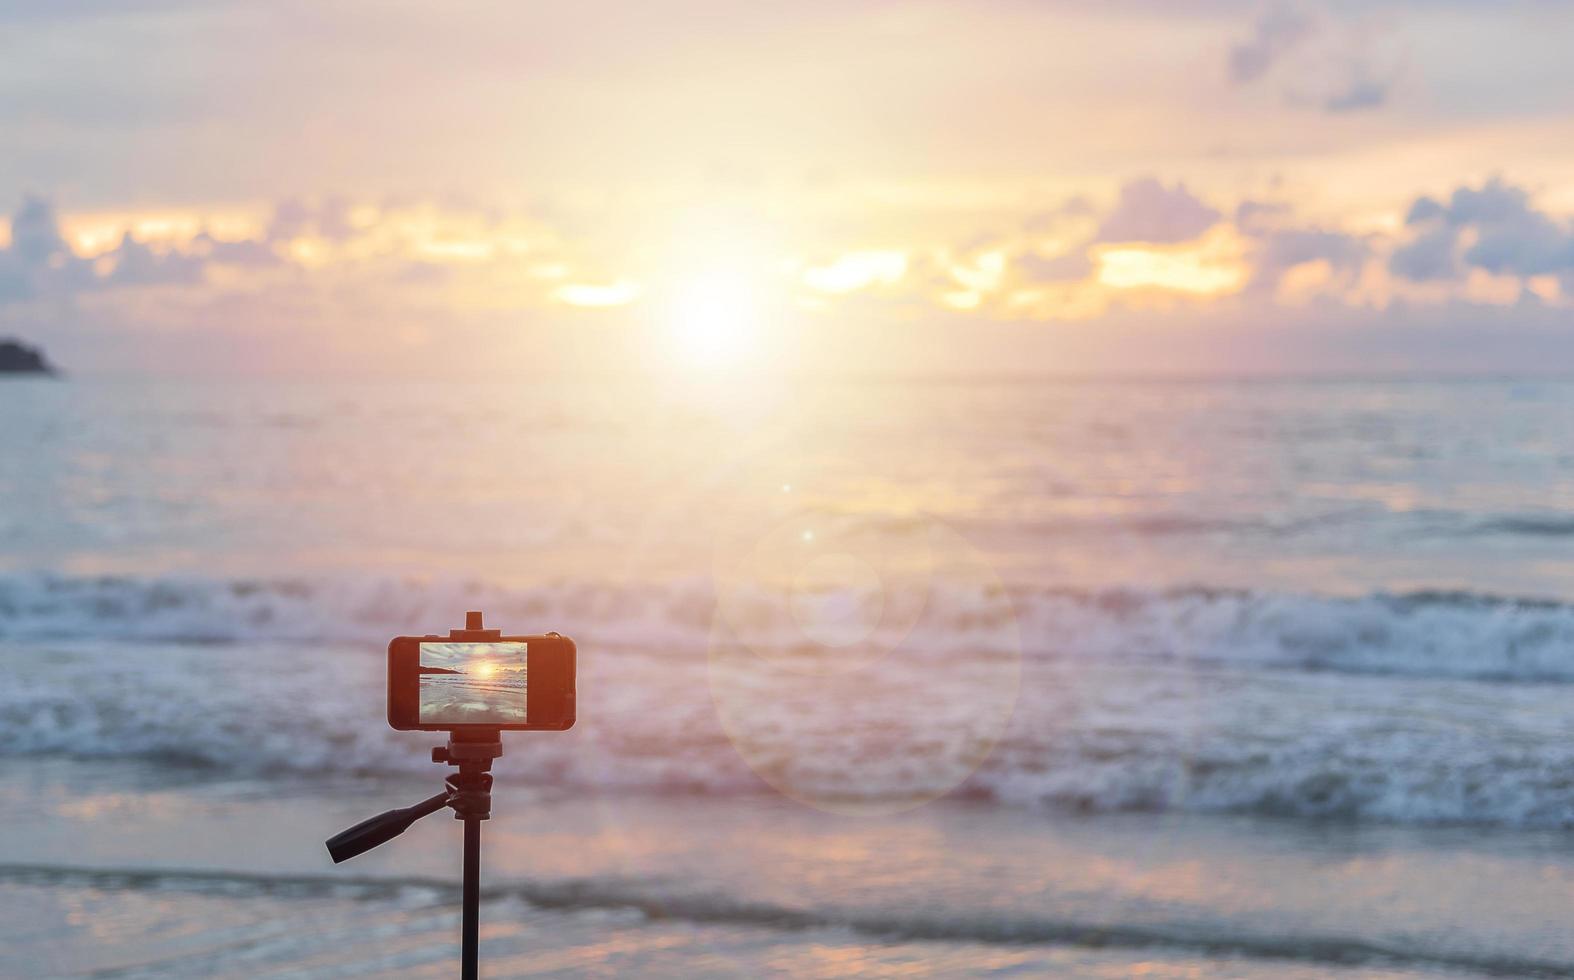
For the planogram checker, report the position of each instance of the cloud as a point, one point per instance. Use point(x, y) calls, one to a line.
point(1493, 227)
point(1324, 61)
point(1359, 93)
point(422, 264)
point(1150, 212)
point(291, 218)
point(244, 252)
point(15, 285)
point(1277, 30)
point(1258, 215)
point(294, 217)
point(1532, 245)
point(1281, 250)
point(1491, 203)
point(40, 263)
point(1072, 208)
point(35, 233)
point(136, 264)
point(1426, 258)
point(1349, 83)
point(1424, 209)
point(1070, 266)
point(1277, 243)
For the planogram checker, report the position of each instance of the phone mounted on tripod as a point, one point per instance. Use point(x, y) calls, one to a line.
point(475, 684)
point(477, 679)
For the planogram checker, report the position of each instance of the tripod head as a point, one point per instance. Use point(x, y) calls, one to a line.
point(468, 792)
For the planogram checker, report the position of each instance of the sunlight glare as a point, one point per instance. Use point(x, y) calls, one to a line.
point(715, 319)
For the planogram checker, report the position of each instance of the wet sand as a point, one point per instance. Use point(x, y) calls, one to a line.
point(136, 871)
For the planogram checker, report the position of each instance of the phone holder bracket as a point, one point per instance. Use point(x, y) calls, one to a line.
point(473, 631)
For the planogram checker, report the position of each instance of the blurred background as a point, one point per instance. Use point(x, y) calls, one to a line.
point(1051, 489)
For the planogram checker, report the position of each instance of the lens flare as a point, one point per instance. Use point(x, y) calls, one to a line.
point(826, 647)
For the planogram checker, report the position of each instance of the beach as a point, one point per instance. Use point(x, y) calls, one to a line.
point(137, 877)
point(1066, 678)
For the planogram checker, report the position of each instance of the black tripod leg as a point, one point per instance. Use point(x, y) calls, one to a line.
point(471, 928)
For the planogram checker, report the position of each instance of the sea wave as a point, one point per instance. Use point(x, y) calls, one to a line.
point(1420, 634)
point(1388, 708)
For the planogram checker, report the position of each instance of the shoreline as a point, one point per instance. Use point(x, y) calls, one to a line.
point(1248, 890)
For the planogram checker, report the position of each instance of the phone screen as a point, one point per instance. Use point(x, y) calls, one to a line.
point(473, 683)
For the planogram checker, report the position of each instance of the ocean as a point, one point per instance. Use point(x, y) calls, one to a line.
point(932, 676)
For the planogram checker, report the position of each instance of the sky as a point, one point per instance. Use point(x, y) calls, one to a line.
point(1027, 186)
point(464, 657)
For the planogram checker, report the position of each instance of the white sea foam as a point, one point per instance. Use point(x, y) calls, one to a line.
point(1386, 707)
point(1431, 634)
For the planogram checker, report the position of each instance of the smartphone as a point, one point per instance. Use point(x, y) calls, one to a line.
point(512, 683)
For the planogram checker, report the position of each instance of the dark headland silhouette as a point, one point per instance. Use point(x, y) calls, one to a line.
point(423, 669)
point(18, 358)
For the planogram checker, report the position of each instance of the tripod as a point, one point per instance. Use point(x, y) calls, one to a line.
point(469, 793)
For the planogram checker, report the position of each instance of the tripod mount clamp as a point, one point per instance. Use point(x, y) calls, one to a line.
point(470, 789)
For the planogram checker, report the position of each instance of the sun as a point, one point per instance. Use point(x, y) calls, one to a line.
point(714, 319)
point(484, 670)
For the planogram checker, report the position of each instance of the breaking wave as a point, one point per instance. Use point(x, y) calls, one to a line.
point(1421, 634)
point(1419, 708)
